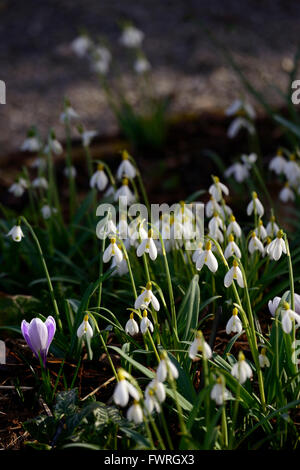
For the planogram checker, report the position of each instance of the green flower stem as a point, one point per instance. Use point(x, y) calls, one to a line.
point(153, 346)
point(57, 314)
point(100, 272)
point(129, 267)
point(166, 430)
point(72, 189)
point(224, 427)
point(105, 348)
point(156, 432)
point(178, 406)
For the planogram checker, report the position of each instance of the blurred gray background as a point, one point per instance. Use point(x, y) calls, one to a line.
point(40, 69)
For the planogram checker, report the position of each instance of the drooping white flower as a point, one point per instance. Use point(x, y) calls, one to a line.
point(124, 389)
point(200, 345)
point(272, 227)
point(234, 227)
point(69, 114)
point(255, 244)
point(215, 223)
point(16, 233)
point(286, 194)
point(131, 37)
point(239, 171)
point(148, 246)
point(273, 305)
point(141, 65)
point(207, 257)
point(112, 250)
point(131, 327)
point(81, 45)
point(18, 188)
point(87, 137)
point(39, 163)
point(40, 183)
point(70, 172)
point(54, 145)
point(135, 413)
point(234, 273)
point(99, 178)
point(211, 207)
point(276, 247)
point(105, 227)
point(217, 189)
point(120, 268)
point(85, 329)
point(137, 231)
point(255, 205)
point(277, 164)
point(232, 249)
point(249, 160)
point(240, 123)
point(261, 231)
point(47, 211)
point(197, 252)
point(146, 324)
point(147, 297)
point(125, 192)
point(166, 369)
point(241, 369)
point(234, 324)
point(31, 143)
point(126, 168)
point(155, 394)
point(219, 392)
point(292, 170)
point(263, 359)
point(288, 317)
point(100, 66)
point(239, 106)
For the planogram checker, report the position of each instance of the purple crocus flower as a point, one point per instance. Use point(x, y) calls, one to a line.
point(38, 335)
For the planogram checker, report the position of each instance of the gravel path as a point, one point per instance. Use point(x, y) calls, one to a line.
point(39, 69)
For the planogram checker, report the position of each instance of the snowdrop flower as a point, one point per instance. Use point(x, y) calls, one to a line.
point(16, 233)
point(146, 324)
point(17, 189)
point(260, 230)
point(292, 170)
point(47, 211)
point(135, 413)
point(249, 160)
point(199, 344)
point(54, 145)
point(81, 45)
point(126, 168)
point(102, 53)
point(263, 359)
point(234, 324)
point(255, 244)
point(112, 250)
point(240, 106)
point(272, 227)
point(39, 335)
point(31, 143)
point(110, 191)
point(69, 114)
point(288, 316)
point(99, 178)
point(40, 183)
point(147, 297)
point(137, 231)
point(85, 329)
point(216, 233)
point(234, 227)
point(217, 188)
point(273, 305)
point(286, 194)
point(239, 171)
point(148, 246)
point(131, 327)
point(70, 172)
point(241, 369)
point(131, 37)
point(39, 163)
point(276, 247)
point(124, 389)
point(232, 249)
point(166, 369)
point(255, 205)
point(234, 273)
point(215, 222)
point(100, 66)
point(105, 227)
point(141, 65)
point(208, 258)
point(211, 207)
point(197, 252)
point(87, 137)
point(219, 393)
point(154, 395)
point(237, 124)
point(125, 192)
point(277, 164)
point(120, 268)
